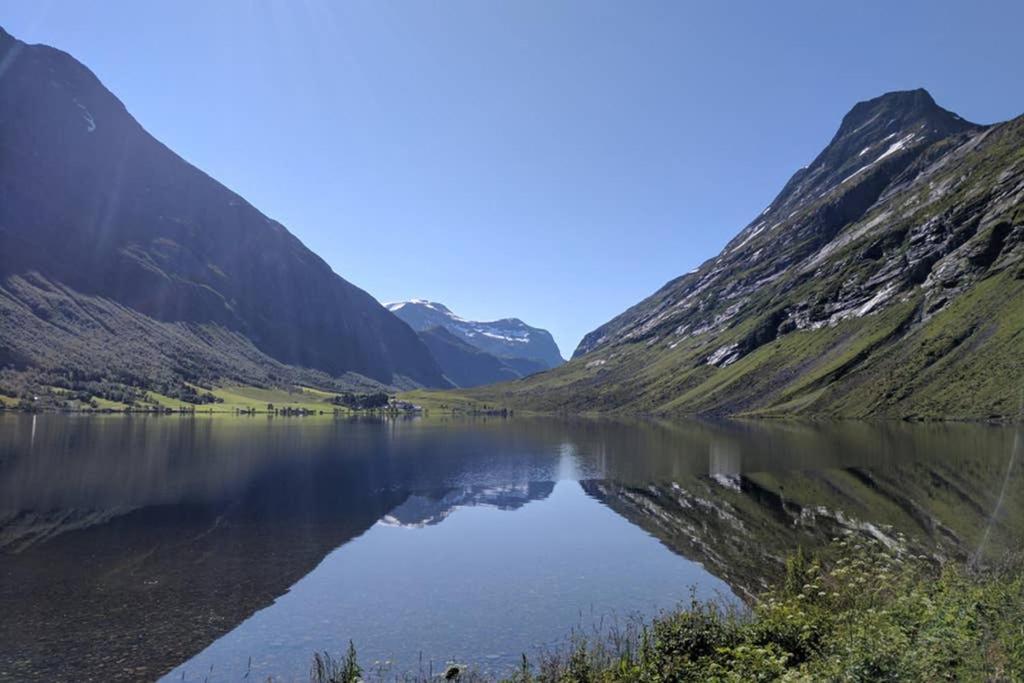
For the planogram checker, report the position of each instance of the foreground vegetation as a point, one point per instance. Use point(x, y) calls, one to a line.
point(862, 612)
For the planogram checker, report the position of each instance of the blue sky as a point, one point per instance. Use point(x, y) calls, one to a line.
point(554, 161)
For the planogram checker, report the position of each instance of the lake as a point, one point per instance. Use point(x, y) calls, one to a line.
point(228, 549)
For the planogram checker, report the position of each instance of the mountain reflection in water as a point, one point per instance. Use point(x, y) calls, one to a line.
point(130, 544)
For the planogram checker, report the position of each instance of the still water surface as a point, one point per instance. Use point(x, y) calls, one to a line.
point(190, 548)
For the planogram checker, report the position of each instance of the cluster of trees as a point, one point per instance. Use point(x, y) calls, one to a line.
point(72, 386)
point(54, 388)
point(370, 401)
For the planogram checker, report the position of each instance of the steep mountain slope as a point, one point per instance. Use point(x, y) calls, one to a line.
point(887, 278)
point(119, 259)
point(509, 338)
point(462, 364)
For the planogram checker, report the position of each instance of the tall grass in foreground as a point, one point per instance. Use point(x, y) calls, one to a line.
point(868, 613)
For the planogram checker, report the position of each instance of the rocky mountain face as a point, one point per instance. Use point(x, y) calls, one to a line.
point(886, 278)
point(527, 349)
point(118, 259)
point(876, 141)
point(465, 365)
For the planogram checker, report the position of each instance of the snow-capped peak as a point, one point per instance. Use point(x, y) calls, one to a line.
point(432, 305)
point(507, 337)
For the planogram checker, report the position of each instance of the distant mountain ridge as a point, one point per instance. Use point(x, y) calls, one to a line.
point(465, 365)
point(886, 278)
point(508, 338)
point(120, 261)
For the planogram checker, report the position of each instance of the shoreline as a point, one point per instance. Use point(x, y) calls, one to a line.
point(509, 412)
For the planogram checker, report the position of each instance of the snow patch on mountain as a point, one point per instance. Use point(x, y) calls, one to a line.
point(90, 122)
point(505, 338)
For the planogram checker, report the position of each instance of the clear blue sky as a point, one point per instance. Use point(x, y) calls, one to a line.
point(555, 161)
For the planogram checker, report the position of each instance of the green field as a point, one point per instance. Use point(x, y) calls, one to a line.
point(233, 399)
point(445, 402)
point(246, 398)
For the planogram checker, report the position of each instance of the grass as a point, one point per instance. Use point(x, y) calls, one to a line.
point(860, 612)
point(233, 399)
point(445, 402)
point(962, 363)
point(167, 402)
point(104, 404)
point(98, 402)
point(242, 398)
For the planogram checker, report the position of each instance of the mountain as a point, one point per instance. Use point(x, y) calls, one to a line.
point(876, 141)
point(465, 365)
point(121, 261)
point(509, 338)
point(886, 278)
point(525, 367)
point(432, 508)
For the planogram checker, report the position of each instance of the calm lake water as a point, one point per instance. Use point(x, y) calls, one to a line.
point(192, 548)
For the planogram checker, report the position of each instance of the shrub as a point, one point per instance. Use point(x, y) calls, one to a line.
point(326, 669)
point(870, 613)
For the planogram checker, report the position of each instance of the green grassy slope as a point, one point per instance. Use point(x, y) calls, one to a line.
point(966, 362)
